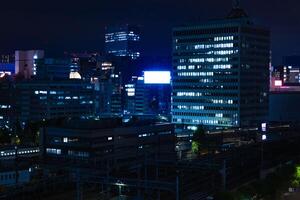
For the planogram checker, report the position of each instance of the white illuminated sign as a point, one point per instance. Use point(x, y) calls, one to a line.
point(264, 127)
point(157, 77)
point(278, 83)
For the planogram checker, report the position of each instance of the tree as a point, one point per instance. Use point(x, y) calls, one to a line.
point(4, 136)
point(30, 133)
point(198, 138)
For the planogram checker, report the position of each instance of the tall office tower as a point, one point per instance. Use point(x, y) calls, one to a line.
point(25, 62)
point(7, 99)
point(7, 69)
point(149, 94)
point(56, 91)
point(221, 73)
point(108, 90)
point(123, 41)
point(7, 58)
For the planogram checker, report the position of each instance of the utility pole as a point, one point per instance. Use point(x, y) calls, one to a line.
point(78, 185)
point(261, 159)
point(177, 185)
point(223, 173)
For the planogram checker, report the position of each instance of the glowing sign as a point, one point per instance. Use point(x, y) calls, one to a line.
point(2, 74)
point(278, 83)
point(74, 75)
point(157, 77)
point(264, 127)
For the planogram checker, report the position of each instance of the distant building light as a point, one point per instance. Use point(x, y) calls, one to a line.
point(278, 83)
point(3, 73)
point(264, 127)
point(74, 75)
point(106, 64)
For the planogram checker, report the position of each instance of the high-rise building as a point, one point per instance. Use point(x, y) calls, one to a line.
point(55, 90)
point(123, 41)
point(286, 76)
point(56, 69)
point(7, 69)
point(7, 99)
point(7, 58)
point(221, 73)
point(149, 94)
point(46, 99)
point(25, 62)
point(108, 90)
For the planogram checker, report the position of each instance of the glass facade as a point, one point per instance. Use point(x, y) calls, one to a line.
point(123, 41)
point(220, 74)
point(45, 99)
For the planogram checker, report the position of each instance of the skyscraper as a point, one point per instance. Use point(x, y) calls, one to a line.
point(221, 72)
point(123, 41)
point(25, 62)
point(108, 90)
point(7, 99)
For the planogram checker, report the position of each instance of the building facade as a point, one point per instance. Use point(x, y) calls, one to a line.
point(283, 106)
point(25, 62)
point(56, 69)
point(7, 102)
point(148, 94)
point(46, 99)
point(123, 41)
point(221, 73)
point(7, 69)
point(107, 141)
point(108, 90)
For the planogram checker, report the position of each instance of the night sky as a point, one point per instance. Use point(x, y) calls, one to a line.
point(64, 25)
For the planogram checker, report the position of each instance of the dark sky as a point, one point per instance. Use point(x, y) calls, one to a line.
point(65, 25)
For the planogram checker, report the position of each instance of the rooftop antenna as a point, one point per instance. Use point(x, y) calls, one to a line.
point(236, 3)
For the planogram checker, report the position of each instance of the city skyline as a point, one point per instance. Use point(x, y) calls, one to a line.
point(152, 99)
point(65, 26)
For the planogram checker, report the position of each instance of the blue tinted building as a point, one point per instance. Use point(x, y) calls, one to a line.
point(221, 73)
point(7, 69)
point(54, 69)
point(123, 41)
point(7, 100)
point(149, 94)
point(46, 99)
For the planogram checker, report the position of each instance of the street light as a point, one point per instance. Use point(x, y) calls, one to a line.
point(120, 184)
point(263, 138)
point(264, 129)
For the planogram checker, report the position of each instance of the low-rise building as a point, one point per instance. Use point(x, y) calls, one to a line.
point(107, 141)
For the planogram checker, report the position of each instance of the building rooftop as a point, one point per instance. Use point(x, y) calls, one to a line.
point(103, 123)
point(237, 13)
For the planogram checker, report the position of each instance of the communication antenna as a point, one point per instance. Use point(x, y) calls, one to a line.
point(236, 3)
